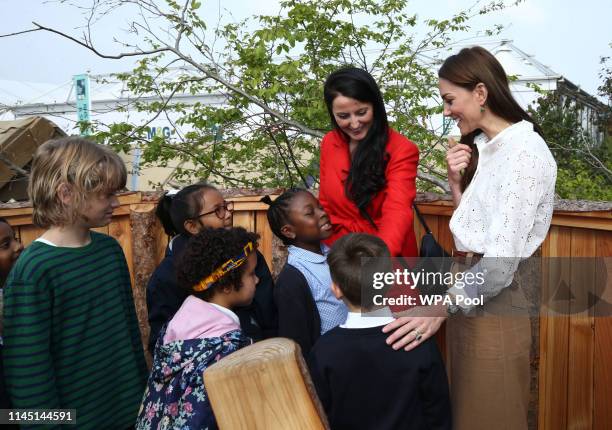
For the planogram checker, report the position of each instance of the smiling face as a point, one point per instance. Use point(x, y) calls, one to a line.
point(353, 117)
point(462, 105)
point(308, 222)
point(10, 248)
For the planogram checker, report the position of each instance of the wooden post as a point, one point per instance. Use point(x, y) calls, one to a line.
point(265, 386)
point(146, 240)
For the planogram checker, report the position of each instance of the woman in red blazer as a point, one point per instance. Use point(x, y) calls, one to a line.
point(367, 170)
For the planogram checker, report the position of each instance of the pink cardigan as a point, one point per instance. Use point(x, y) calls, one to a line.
point(197, 319)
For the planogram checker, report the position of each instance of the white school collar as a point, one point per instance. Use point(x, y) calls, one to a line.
point(376, 318)
point(227, 312)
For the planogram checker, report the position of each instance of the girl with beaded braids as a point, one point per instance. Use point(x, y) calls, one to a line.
point(184, 214)
point(367, 169)
point(217, 271)
point(306, 306)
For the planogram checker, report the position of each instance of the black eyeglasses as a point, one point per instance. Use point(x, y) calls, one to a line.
point(219, 211)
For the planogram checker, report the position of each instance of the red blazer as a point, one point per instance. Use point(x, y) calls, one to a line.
point(391, 208)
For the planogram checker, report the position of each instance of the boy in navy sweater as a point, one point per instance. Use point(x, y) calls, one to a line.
point(361, 381)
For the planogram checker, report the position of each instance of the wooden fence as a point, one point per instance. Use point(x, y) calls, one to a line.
point(574, 384)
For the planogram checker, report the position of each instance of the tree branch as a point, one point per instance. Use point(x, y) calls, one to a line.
point(95, 51)
point(205, 70)
point(280, 153)
point(436, 181)
point(182, 28)
point(21, 32)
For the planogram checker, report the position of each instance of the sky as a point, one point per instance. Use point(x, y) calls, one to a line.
point(567, 36)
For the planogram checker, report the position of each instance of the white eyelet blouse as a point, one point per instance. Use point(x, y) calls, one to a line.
point(507, 208)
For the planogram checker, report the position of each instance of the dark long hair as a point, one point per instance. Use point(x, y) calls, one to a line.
point(367, 172)
point(174, 210)
point(467, 69)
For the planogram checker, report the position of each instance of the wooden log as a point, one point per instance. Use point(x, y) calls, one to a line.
point(265, 386)
point(120, 229)
point(279, 256)
point(265, 236)
point(145, 232)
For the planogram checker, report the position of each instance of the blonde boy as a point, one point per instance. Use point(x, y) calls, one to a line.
point(71, 337)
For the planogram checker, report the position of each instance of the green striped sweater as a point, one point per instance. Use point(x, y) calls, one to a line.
point(71, 337)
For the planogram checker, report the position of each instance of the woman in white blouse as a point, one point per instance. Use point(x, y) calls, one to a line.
point(502, 178)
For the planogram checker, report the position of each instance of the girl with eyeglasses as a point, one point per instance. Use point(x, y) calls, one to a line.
point(183, 215)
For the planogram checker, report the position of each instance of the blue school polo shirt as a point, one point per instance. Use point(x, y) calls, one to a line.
point(313, 266)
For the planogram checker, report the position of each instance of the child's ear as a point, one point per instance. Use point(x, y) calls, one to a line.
point(64, 193)
point(288, 231)
point(192, 226)
point(336, 291)
point(226, 289)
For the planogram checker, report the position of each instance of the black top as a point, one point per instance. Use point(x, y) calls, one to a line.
point(259, 320)
point(298, 316)
point(364, 384)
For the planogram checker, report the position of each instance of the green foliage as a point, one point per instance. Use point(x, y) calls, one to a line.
point(605, 89)
point(578, 182)
point(270, 71)
point(583, 164)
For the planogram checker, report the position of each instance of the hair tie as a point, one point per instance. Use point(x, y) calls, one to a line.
point(267, 200)
point(171, 193)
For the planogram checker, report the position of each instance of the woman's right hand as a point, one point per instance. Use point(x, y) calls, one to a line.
point(457, 159)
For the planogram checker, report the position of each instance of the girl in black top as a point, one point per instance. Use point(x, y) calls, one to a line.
point(183, 215)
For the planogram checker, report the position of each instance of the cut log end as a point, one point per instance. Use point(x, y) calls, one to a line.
point(270, 382)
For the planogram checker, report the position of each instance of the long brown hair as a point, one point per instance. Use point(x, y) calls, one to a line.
point(467, 69)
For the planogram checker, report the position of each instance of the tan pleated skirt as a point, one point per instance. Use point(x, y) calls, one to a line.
point(488, 366)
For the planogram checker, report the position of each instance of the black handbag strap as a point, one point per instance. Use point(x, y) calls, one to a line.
point(421, 219)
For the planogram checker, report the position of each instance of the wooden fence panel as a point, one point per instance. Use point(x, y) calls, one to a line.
point(554, 334)
point(602, 371)
point(103, 230)
point(29, 233)
point(244, 219)
point(581, 339)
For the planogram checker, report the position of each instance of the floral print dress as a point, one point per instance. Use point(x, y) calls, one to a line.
point(175, 397)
